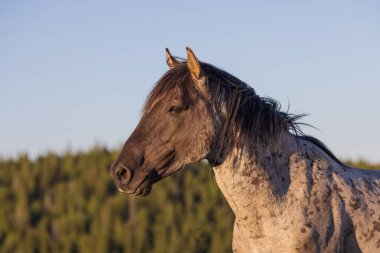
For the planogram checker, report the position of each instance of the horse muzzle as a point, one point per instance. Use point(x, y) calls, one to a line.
point(131, 182)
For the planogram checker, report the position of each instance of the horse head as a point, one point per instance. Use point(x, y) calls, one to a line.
point(176, 129)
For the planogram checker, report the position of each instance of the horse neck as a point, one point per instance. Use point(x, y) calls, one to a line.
point(253, 177)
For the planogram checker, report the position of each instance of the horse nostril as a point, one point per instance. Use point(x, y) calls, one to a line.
point(123, 174)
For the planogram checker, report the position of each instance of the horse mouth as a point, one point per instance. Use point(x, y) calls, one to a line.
point(155, 175)
point(146, 185)
point(144, 189)
point(145, 182)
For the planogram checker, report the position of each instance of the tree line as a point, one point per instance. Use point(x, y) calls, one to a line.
point(68, 203)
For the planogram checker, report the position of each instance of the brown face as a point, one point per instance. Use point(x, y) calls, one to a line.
point(168, 137)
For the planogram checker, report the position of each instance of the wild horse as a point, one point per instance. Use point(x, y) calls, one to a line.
point(289, 193)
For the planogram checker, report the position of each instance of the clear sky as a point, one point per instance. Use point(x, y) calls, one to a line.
point(76, 73)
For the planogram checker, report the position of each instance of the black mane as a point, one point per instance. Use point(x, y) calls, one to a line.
point(246, 115)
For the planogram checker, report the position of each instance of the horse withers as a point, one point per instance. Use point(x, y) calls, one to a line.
point(289, 193)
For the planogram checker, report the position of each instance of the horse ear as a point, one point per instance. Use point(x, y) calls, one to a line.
point(170, 60)
point(193, 64)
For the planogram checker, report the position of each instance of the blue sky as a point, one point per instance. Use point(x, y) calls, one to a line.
point(76, 73)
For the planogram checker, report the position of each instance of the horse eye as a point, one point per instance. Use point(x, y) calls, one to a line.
point(175, 109)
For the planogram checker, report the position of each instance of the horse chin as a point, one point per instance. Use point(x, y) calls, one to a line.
point(144, 189)
point(146, 186)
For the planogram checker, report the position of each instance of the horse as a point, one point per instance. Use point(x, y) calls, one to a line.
point(288, 191)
